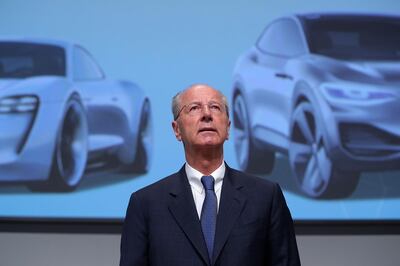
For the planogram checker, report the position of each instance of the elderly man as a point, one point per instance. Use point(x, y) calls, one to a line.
point(207, 213)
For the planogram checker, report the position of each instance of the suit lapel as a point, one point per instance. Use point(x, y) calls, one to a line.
point(231, 206)
point(184, 211)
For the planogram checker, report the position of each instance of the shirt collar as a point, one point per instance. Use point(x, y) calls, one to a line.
point(194, 176)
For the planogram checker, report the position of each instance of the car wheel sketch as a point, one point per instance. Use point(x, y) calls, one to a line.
point(251, 158)
point(59, 115)
point(322, 89)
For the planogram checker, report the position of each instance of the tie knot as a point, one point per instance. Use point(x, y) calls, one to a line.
point(208, 182)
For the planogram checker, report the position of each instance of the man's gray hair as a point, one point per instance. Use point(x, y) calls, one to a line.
point(176, 102)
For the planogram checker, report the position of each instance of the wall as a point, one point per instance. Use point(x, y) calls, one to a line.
point(39, 249)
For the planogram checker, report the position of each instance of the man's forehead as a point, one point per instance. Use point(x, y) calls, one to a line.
point(200, 93)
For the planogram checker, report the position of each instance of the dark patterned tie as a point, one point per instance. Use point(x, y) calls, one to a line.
point(208, 216)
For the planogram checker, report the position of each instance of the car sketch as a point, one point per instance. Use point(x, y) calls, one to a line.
point(59, 114)
point(325, 90)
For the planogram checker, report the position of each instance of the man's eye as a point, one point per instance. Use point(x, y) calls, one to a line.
point(215, 107)
point(194, 108)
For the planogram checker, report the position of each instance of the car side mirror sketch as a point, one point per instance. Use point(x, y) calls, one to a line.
point(283, 76)
point(254, 58)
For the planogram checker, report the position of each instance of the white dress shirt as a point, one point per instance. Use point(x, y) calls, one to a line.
point(195, 176)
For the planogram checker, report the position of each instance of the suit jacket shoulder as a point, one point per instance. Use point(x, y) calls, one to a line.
point(251, 180)
point(255, 188)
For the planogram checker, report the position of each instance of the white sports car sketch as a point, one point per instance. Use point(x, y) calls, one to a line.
point(59, 113)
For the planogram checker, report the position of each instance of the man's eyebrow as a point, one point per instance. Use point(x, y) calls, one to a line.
point(198, 102)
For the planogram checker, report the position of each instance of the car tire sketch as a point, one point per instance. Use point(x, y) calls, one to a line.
point(144, 140)
point(60, 115)
point(311, 165)
point(322, 89)
point(251, 158)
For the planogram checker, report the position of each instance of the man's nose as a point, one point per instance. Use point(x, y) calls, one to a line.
point(206, 113)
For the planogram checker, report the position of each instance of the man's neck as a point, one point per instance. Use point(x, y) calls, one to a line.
point(205, 161)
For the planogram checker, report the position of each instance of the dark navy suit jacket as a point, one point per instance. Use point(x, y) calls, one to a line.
point(254, 226)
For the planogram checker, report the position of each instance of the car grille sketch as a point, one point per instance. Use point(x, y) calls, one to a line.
point(59, 114)
point(323, 89)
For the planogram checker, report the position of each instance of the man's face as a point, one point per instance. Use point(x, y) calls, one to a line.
point(202, 121)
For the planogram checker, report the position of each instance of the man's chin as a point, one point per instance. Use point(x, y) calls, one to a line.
point(211, 142)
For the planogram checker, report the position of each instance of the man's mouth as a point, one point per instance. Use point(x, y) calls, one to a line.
point(207, 129)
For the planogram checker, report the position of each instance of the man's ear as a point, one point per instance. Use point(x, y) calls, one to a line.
point(176, 129)
point(228, 129)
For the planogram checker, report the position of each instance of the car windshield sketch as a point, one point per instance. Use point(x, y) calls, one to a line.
point(323, 89)
point(59, 114)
